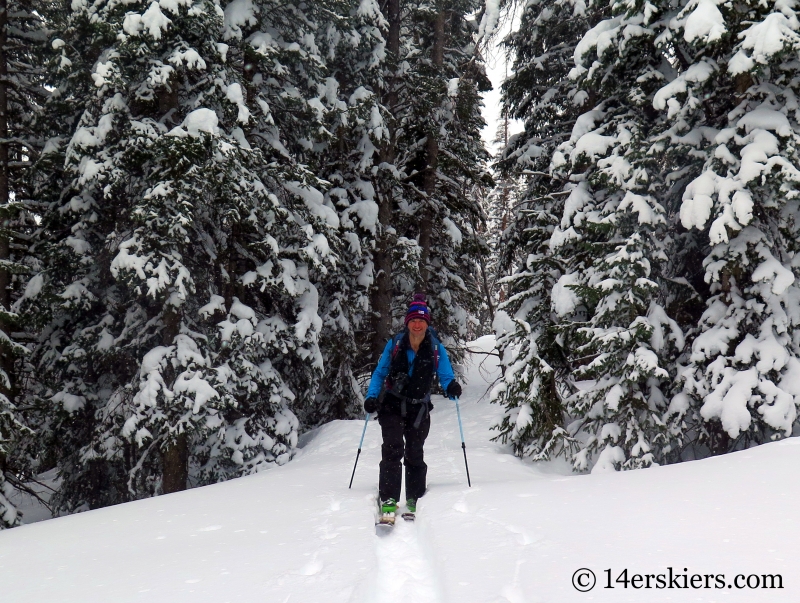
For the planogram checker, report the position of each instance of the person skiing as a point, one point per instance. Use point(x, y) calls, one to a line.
point(404, 374)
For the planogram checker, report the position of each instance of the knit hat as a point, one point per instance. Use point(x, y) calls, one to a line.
point(418, 309)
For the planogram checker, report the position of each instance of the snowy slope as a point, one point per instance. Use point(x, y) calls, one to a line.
point(296, 534)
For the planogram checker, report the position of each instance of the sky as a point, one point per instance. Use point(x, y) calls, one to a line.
point(497, 67)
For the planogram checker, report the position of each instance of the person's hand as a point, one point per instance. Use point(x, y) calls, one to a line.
point(453, 390)
point(371, 405)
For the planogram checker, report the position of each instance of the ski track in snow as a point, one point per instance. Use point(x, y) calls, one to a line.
point(405, 572)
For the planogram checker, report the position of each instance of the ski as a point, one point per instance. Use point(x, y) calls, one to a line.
point(409, 516)
point(384, 527)
point(384, 522)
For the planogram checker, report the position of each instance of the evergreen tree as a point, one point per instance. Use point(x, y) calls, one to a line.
point(442, 159)
point(346, 162)
point(22, 93)
point(732, 102)
point(535, 361)
point(177, 296)
point(610, 252)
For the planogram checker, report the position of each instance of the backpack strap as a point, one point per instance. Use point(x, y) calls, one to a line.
point(435, 345)
point(396, 343)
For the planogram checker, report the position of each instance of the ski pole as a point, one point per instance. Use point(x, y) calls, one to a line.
point(360, 444)
point(463, 445)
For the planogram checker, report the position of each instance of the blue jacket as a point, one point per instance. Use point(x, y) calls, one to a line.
point(445, 369)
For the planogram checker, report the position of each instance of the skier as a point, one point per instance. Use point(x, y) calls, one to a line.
point(404, 374)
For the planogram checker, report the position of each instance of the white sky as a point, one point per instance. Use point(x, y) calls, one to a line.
point(496, 67)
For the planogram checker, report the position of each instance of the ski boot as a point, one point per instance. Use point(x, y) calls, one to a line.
point(388, 509)
point(411, 510)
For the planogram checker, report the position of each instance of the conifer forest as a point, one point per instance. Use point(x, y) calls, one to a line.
point(215, 213)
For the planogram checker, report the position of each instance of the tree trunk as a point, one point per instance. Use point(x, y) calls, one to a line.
point(432, 152)
point(176, 465)
point(174, 459)
point(381, 298)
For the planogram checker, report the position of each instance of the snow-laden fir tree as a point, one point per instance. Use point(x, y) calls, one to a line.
point(441, 157)
point(611, 248)
point(733, 101)
point(495, 202)
point(626, 348)
point(10, 430)
point(345, 161)
point(22, 92)
point(177, 296)
point(539, 93)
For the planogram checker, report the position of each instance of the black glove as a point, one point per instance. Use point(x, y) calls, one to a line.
point(370, 405)
point(454, 390)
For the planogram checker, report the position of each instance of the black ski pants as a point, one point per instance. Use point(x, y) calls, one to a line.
point(395, 428)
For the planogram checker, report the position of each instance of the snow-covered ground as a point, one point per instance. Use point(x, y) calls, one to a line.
point(296, 534)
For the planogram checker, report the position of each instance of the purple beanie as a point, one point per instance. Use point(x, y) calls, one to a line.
point(418, 309)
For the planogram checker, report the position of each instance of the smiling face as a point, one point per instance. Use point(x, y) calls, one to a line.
point(417, 326)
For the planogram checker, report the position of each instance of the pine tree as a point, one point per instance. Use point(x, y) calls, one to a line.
point(22, 93)
point(535, 361)
point(620, 349)
point(733, 101)
point(442, 159)
point(610, 248)
point(346, 162)
point(177, 297)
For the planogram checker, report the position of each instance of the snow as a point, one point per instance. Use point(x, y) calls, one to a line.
point(235, 94)
point(772, 270)
point(592, 145)
point(563, 299)
point(296, 533)
point(132, 24)
point(237, 14)
point(34, 286)
point(728, 401)
point(173, 6)
point(765, 118)
point(770, 36)
point(608, 459)
point(192, 383)
point(70, 402)
point(740, 63)
point(584, 124)
point(600, 37)
point(705, 21)
point(642, 206)
point(698, 201)
point(452, 86)
point(201, 120)
point(489, 20)
point(314, 201)
point(153, 20)
point(697, 72)
point(367, 212)
point(240, 310)
point(452, 231)
point(191, 57)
